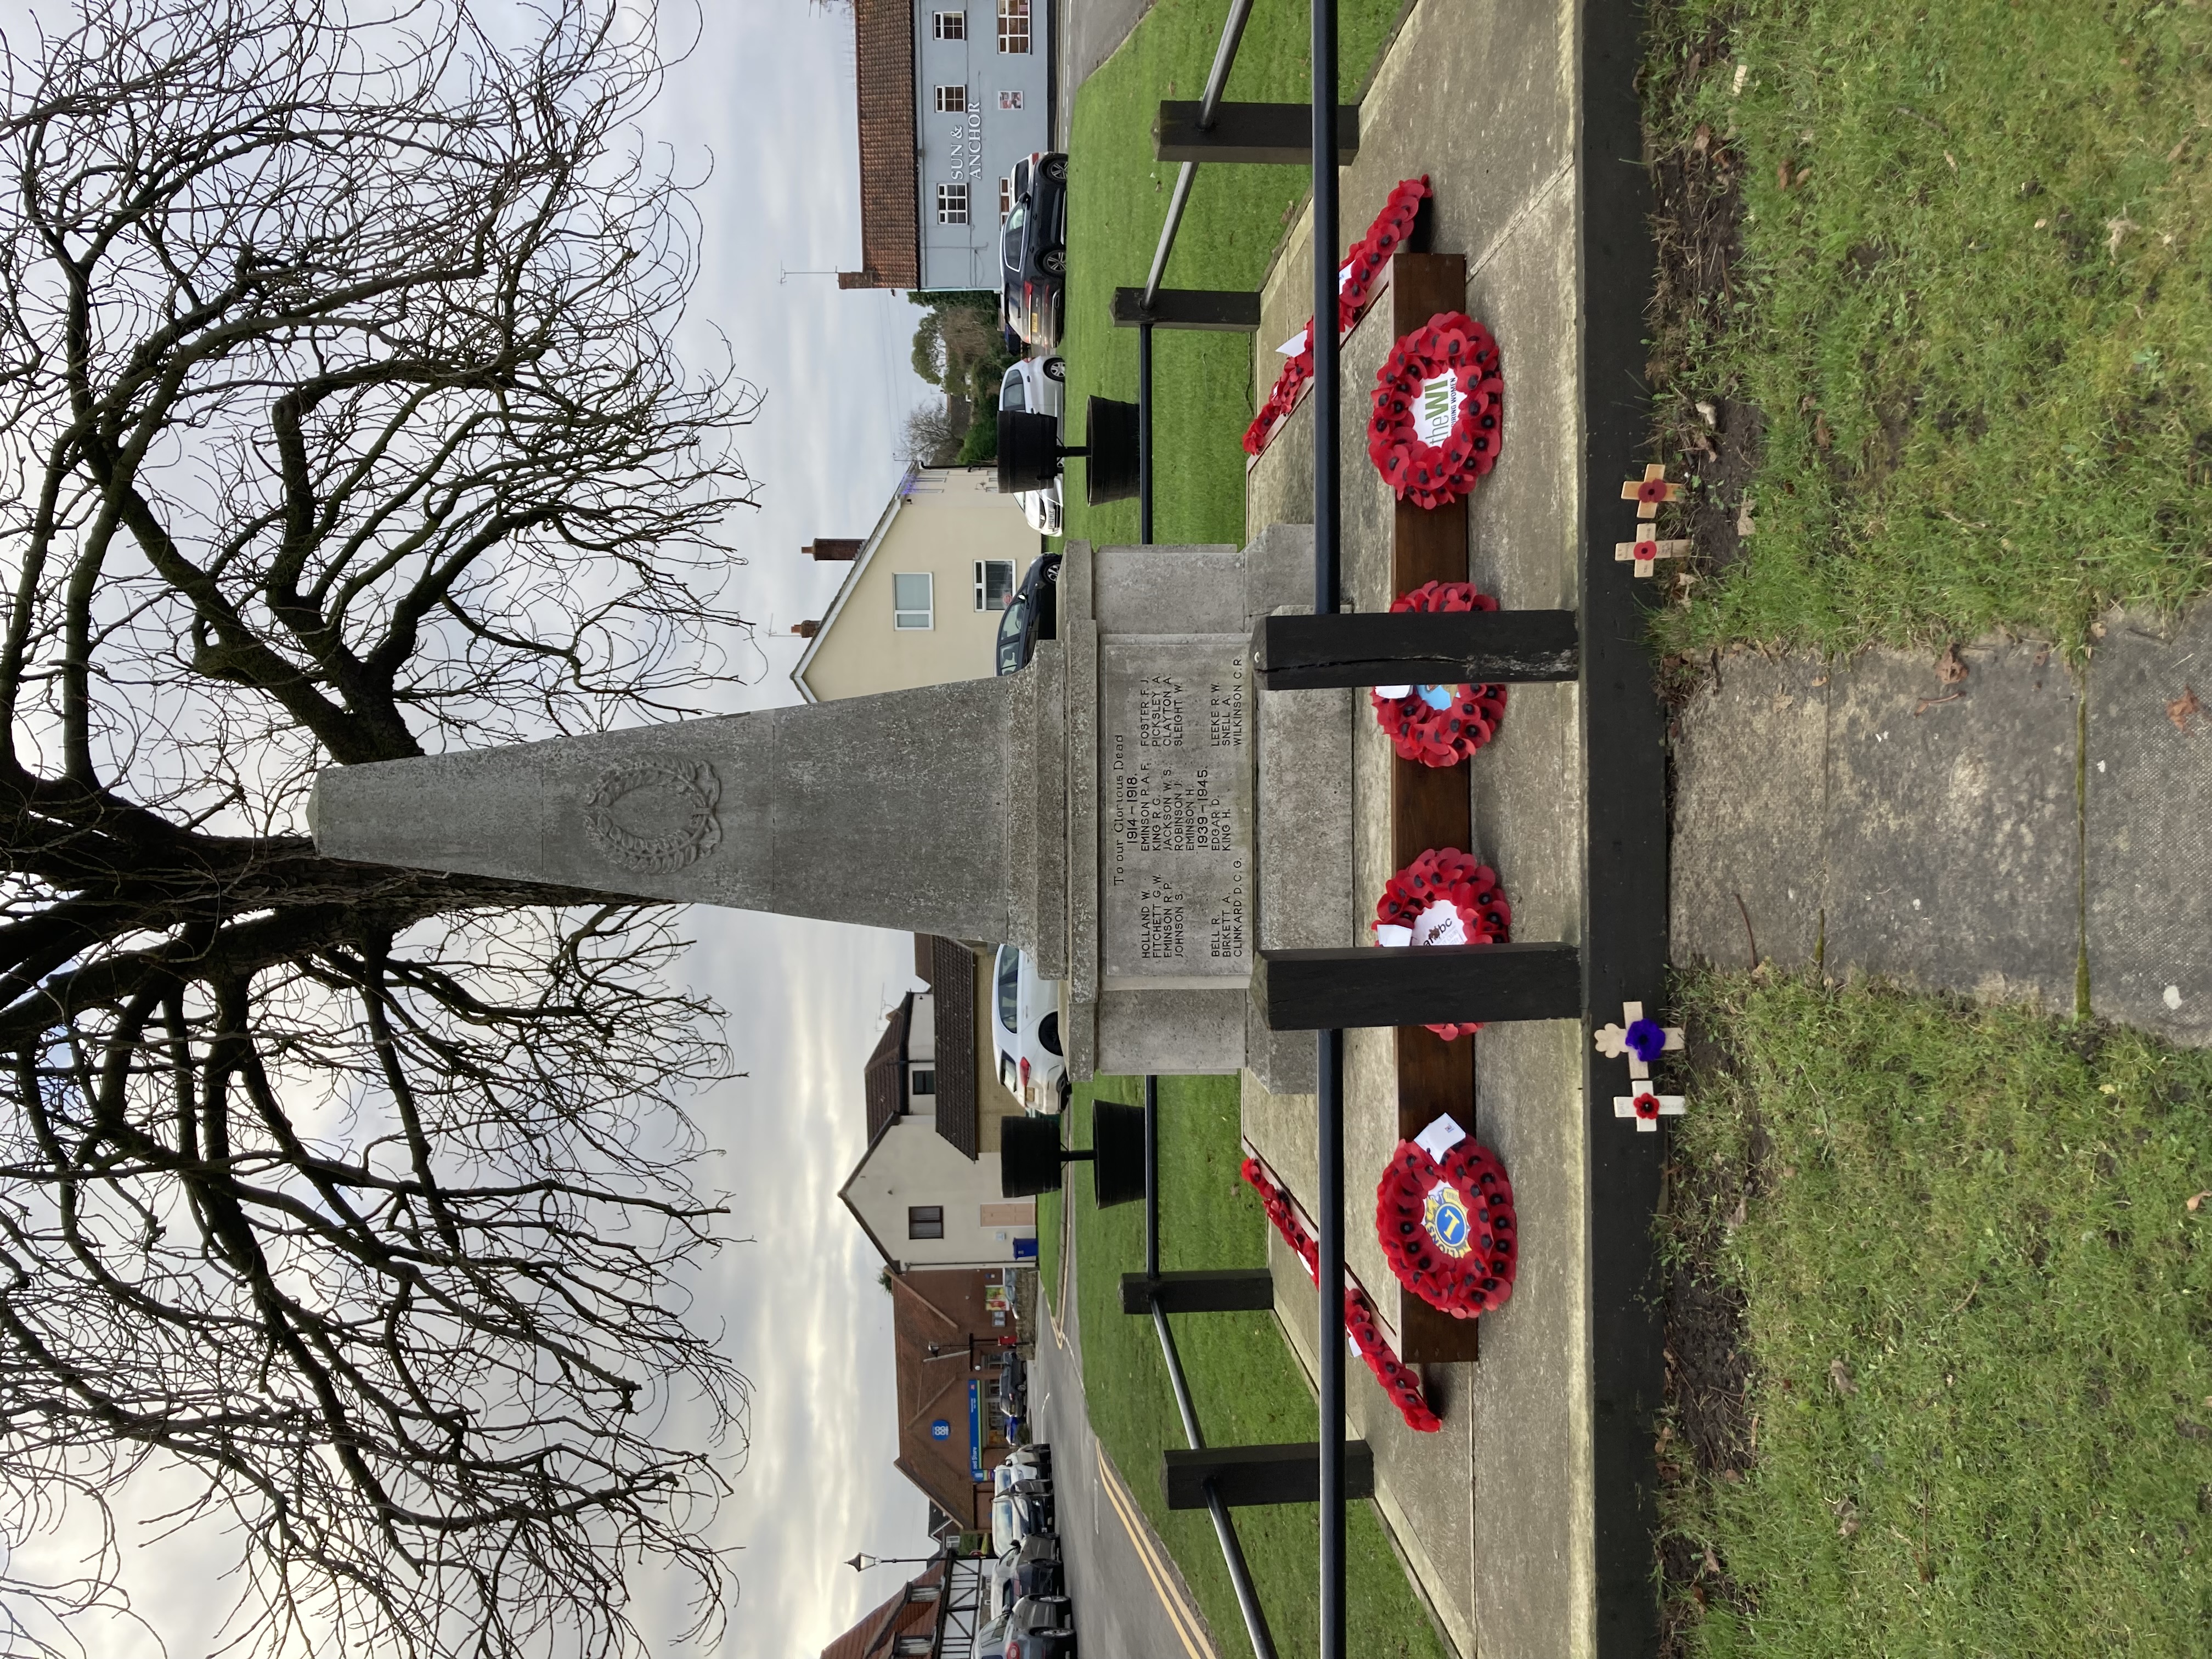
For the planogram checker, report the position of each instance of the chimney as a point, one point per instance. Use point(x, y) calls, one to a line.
point(806, 630)
point(826, 549)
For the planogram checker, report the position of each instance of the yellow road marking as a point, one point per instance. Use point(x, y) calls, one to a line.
point(1180, 1616)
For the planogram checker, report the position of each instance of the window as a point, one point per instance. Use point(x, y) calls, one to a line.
point(994, 583)
point(951, 100)
point(1010, 101)
point(925, 1083)
point(952, 25)
point(1013, 25)
point(925, 1221)
point(1005, 199)
point(953, 204)
point(910, 601)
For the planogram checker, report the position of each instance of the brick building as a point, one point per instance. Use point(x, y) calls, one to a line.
point(944, 1344)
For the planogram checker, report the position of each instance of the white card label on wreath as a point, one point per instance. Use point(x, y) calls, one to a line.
point(1439, 924)
point(1438, 408)
point(1389, 691)
point(1440, 1138)
point(1292, 347)
point(1389, 933)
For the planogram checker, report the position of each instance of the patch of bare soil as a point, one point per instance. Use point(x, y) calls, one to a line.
point(1705, 437)
point(1706, 1430)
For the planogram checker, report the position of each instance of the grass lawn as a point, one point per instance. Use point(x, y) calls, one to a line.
point(1048, 1249)
point(1974, 1293)
point(1972, 306)
point(1247, 1387)
point(1117, 202)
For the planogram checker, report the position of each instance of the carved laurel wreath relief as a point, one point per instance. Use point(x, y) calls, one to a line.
point(682, 796)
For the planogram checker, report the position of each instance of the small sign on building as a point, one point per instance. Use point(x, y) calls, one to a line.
point(940, 1430)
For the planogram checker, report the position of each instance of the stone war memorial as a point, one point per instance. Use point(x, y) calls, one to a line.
point(1105, 809)
point(1203, 806)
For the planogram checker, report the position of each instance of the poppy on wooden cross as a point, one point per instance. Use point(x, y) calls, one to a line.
point(1647, 547)
point(1641, 1040)
point(1647, 1109)
point(1649, 490)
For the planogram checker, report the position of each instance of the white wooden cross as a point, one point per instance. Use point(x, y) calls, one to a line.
point(1647, 547)
point(1613, 1041)
point(1647, 1109)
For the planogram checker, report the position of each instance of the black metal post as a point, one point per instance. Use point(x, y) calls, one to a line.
point(1328, 527)
point(1152, 1173)
point(1224, 1529)
point(1330, 1203)
point(1145, 479)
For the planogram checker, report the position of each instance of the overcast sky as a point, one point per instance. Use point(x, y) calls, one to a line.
point(768, 94)
point(764, 104)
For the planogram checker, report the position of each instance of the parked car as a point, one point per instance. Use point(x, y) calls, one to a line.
point(1037, 1458)
point(1016, 1515)
point(1035, 386)
point(1025, 1032)
point(1014, 1395)
point(1032, 1568)
point(1031, 615)
point(1033, 249)
point(1042, 1627)
point(1018, 1480)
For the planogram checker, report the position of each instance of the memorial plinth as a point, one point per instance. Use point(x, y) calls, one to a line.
point(1105, 809)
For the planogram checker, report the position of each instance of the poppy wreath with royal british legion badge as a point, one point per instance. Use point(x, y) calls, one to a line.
point(1439, 724)
point(1444, 897)
point(1439, 411)
point(1446, 1224)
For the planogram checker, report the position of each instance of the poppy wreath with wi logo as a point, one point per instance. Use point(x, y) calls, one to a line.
point(1439, 724)
point(1438, 414)
point(1446, 1226)
point(1444, 897)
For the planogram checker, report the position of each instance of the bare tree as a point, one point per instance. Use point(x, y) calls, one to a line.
point(350, 1206)
point(930, 436)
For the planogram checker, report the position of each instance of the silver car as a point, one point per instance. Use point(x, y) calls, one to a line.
point(1036, 386)
point(1025, 1032)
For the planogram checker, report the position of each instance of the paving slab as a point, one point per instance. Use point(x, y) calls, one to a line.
point(2148, 783)
point(1749, 864)
point(1954, 823)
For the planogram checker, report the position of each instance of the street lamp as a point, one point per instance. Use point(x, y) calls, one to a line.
point(861, 1563)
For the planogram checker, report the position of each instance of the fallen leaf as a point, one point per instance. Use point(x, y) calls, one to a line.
point(1821, 436)
point(2114, 230)
point(2174, 155)
point(1731, 1478)
point(1744, 526)
point(1737, 1215)
point(1703, 140)
point(2097, 630)
point(1949, 668)
point(1840, 1374)
point(2183, 708)
point(2197, 1199)
point(1782, 173)
point(1712, 1562)
point(1847, 1516)
point(1708, 414)
point(1952, 159)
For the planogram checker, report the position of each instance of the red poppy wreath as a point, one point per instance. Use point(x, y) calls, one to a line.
point(1444, 897)
point(1355, 287)
point(1398, 1380)
point(1438, 416)
point(1446, 1224)
point(1439, 724)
